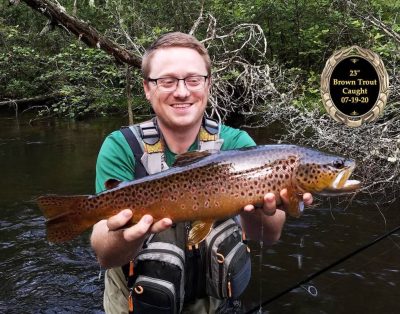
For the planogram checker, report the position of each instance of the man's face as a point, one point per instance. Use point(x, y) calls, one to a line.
point(180, 108)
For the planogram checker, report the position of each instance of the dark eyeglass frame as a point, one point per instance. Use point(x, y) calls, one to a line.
point(155, 80)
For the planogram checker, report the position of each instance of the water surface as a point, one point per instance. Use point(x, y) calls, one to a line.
point(59, 157)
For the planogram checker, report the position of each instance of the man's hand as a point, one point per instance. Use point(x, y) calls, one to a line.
point(272, 203)
point(140, 229)
point(115, 246)
point(270, 216)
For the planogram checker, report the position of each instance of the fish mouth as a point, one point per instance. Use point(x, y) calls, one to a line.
point(342, 184)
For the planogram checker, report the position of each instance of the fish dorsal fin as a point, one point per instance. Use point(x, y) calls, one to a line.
point(112, 183)
point(199, 231)
point(191, 157)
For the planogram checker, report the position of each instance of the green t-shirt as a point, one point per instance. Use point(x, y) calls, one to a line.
point(116, 160)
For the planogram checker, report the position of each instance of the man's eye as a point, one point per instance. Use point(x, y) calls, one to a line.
point(167, 81)
point(193, 80)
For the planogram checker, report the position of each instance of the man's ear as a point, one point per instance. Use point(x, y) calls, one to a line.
point(146, 88)
point(209, 84)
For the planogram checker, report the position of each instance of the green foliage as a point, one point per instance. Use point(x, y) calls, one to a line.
point(300, 35)
point(87, 79)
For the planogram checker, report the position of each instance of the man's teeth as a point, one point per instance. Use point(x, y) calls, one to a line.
point(181, 105)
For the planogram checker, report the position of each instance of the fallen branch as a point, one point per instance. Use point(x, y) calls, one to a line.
point(30, 101)
point(83, 31)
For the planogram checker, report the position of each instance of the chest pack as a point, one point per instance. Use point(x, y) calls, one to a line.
point(167, 272)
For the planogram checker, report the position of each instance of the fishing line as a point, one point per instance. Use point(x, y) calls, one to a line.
point(321, 271)
point(260, 261)
point(371, 260)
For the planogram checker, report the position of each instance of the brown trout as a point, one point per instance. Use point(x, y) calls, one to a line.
point(203, 187)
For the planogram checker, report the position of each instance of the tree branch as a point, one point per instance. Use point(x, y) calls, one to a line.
point(83, 31)
point(30, 100)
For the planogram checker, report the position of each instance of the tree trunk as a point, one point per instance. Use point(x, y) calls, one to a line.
point(83, 31)
point(129, 94)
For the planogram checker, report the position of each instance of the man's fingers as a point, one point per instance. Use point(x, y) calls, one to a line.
point(307, 198)
point(284, 198)
point(269, 204)
point(140, 229)
point(161, 225)
point(249, 208)
point(272, 201)
point(119, 220)
point(146, 226)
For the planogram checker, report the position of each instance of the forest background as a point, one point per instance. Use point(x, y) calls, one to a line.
point(293, 39)
point(267, 60)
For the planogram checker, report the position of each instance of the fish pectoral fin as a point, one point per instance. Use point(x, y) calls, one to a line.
point(190, 157)
point(111, 183)
point(199, 231)
point(296, 205)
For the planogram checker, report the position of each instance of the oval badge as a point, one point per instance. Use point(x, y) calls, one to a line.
point(354, 86)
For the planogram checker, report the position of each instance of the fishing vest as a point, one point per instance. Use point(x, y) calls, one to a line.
point(166, 272)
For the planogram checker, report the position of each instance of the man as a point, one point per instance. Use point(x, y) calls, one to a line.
point(177, 83)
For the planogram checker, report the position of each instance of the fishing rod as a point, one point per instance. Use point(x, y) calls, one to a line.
point(321, 271)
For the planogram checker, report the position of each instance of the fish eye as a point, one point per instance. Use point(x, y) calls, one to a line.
point(338, 164)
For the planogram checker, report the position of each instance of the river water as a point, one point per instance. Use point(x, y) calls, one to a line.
point(59, 157)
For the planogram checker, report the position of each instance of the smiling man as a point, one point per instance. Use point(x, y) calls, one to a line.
point(150, 268)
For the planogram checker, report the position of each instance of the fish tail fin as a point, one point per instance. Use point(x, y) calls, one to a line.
point(61, 212)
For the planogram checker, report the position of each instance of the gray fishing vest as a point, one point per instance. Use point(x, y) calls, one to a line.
point(166, 273)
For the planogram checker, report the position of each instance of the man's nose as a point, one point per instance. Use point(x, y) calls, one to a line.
point(181, 89)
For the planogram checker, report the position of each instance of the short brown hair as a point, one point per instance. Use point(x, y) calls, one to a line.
point(174, 39)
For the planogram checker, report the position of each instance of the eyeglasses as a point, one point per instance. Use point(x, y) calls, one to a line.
point(169, 84)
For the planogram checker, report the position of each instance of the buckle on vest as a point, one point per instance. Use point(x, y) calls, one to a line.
point(149, 132)
point(211, 125)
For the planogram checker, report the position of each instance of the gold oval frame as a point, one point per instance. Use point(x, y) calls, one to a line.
point(377, 63)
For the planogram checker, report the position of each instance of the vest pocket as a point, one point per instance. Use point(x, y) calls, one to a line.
point(238, 271)
point(158, 285)
point(229, 267)
point(153, 295)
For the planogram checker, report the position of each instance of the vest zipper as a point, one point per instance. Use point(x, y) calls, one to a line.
point(237, 255)
point(163, 251)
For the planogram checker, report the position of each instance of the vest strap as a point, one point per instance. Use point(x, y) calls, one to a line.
point(150, 147)
point(211, 126)
point(137, 150)
point(209, 135)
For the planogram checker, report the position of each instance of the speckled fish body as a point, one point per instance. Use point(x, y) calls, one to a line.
point(205, 187)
